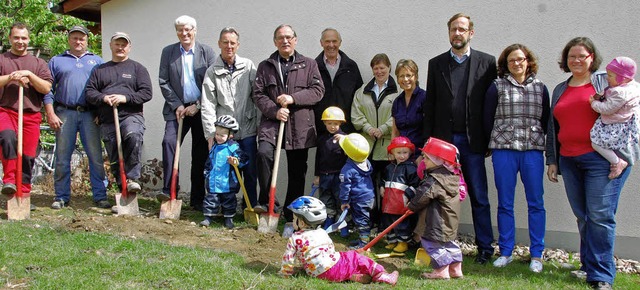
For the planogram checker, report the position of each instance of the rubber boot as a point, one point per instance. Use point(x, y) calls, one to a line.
point(327, 223)
point(401, 247)
point(206, 222)
point(455, 270)
point(440, 273)
point(390, 246)
point(388, 278)
point(228, 223)
point(344, 232)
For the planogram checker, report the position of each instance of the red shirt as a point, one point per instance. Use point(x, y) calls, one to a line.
point(575, 117)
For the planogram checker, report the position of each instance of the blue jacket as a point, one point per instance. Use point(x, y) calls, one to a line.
point(355, 184)
point(220, 177)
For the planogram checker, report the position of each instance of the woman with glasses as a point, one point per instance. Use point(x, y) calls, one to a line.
point(592, 195)
point(407, 111)
point(516, 115)
point(371, 116)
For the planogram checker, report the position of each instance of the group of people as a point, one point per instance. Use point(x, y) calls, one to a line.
point(474, 106)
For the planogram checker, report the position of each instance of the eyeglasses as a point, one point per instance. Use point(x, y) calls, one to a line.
point(460, 30)
point(285, 37)
point(580, 58)
point(517, 61)
point(185, 30)
point(409, 76)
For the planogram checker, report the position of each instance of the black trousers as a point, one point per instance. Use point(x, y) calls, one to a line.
point(199, 155)
point(296, 173)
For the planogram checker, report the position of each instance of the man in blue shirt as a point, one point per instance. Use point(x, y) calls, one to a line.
point(69, 114)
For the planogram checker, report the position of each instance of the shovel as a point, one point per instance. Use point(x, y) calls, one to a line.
point(339, 224)
point(19, 205)
point(383, 233)
point(170, 209)
point(250, 216)
point(127, 204)
point(422, 258)
point(269, 221)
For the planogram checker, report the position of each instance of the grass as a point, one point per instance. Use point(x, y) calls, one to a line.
point(42, 256)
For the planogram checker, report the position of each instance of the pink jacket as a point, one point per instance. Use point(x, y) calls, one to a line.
point(619, 103)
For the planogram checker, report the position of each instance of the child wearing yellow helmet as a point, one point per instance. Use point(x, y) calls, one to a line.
point(330, 158)
point(356, 185)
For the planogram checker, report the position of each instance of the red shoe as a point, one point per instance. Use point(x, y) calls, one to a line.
point(389, 278)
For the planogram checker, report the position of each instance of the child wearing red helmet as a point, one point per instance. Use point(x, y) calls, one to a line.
point(437, 203)
point(399, 177)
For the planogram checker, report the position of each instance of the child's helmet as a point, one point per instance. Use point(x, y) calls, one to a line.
point(229, 122)
point(442, 149)
point(355, 146)
point(310, 209)
point(399, 142)
point(333, 114)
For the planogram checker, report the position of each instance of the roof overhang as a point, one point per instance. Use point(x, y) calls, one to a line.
point(84, 9)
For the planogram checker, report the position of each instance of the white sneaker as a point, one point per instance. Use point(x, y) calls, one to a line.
point(535, 266)
point(502, 261)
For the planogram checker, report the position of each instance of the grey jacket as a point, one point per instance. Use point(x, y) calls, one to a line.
point(226, 93)
point(170, 74)
point(599, 82)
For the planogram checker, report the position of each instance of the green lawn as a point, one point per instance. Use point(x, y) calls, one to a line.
point(40, 256)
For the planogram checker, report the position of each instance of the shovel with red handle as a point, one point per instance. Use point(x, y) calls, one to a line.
point(383, 233)
point(170, 209)
point(126, 203)
point(268, 222)
point(19, 205)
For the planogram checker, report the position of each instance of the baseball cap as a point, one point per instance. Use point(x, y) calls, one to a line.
point(119, 35)
point(79, 28)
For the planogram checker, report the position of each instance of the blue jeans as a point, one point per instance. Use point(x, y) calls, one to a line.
point(74, 122)
point(475, 174)
point(530, 164)
point(594, 201)
point(249, 146)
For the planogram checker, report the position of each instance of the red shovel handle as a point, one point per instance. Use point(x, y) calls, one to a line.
point(383, 233)
point(176, 161)
point(123, 176)
point(20, 140)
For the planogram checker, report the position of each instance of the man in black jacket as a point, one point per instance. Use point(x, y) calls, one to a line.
point(457, 81)
point(341, 78)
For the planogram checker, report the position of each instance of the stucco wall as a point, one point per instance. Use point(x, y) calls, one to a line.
point(402, 29)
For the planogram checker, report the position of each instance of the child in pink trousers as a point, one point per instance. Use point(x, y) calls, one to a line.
point(312, 247)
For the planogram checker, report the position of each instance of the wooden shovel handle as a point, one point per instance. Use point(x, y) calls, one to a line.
point(176, 161)
point(274, 173)
point(123, 176)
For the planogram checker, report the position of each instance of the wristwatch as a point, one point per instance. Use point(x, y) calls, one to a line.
point(198, 105)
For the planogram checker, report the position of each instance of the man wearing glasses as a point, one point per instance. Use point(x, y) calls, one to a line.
point(182, 69)
point(457, 81)
point(287, 87)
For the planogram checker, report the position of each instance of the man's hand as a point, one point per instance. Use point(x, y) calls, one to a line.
point(115, 99)
point(179, 112)
point(210, 141)
point(21, 76)
point(284, 100)
point(54, 121)
point(190, 111)
point(375, 133)
point(282, 114)
point(316, 180)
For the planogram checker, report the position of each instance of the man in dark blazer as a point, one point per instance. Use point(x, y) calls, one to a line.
point(457, 81)
point(182, 69)
point(340, 76)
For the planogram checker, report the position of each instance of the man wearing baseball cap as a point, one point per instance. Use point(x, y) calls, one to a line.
point(68, 114)
point(124, 83)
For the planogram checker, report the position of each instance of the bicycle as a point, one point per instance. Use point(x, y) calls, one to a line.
point(45, 154)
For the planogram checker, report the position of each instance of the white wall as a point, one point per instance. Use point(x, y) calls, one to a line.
point(402, 29)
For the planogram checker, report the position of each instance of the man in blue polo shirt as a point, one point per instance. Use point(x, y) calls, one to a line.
point(69, 114)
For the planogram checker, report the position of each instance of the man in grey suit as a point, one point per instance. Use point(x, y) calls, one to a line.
point(182, 69)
